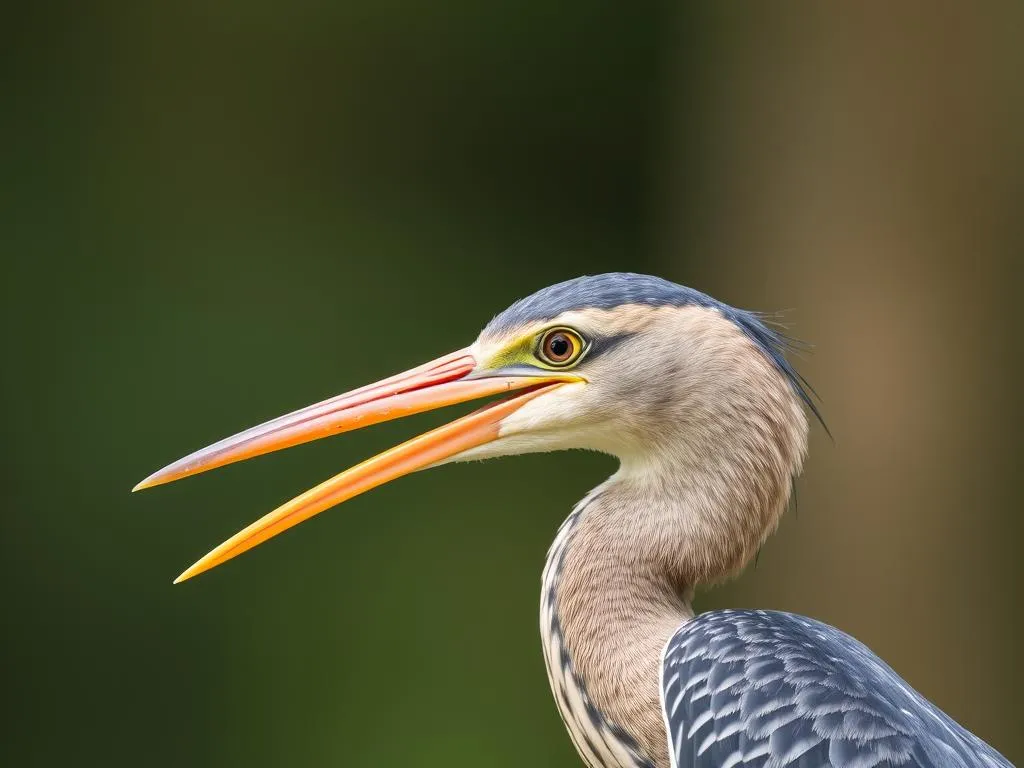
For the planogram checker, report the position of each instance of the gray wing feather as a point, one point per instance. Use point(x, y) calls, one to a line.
point(767, 689)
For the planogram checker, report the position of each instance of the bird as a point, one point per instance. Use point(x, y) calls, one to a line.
point(709, 422)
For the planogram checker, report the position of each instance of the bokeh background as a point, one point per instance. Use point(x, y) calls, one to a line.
point(213, 212)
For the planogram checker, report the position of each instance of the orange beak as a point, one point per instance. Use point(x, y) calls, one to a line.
point(448, 380)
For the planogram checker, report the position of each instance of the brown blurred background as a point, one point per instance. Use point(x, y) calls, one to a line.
point(215, 211)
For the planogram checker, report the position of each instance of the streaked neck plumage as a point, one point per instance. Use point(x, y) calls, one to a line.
point(605, 616)
point(620, 575)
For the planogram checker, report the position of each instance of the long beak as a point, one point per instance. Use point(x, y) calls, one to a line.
point(442, 382)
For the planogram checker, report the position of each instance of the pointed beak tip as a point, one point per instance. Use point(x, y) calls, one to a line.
point(147, 482)
point(188, 573)
point(160, 477)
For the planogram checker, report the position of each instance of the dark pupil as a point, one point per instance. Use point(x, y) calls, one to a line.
point(559, 346)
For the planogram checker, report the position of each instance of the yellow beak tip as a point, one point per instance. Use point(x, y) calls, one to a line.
point(187, 574)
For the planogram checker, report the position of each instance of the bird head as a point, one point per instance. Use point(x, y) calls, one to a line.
point(635, 366)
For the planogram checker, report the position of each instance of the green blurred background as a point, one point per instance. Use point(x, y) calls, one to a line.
point(213, 212)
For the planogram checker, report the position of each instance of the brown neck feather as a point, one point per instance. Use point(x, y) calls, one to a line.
point(617, 611)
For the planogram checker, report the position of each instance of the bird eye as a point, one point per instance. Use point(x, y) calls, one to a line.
point(560, 347)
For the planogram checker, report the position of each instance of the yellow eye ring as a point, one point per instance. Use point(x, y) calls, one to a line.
point(559, 347)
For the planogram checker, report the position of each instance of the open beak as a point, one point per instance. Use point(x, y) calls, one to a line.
point(448, 380)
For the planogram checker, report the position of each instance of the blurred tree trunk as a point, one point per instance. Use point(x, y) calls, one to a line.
point(862, 164)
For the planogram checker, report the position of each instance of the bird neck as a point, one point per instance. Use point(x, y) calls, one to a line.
point(619, 582)
point(609, 605)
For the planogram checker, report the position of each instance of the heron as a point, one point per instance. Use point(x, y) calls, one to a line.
point(709, 422)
